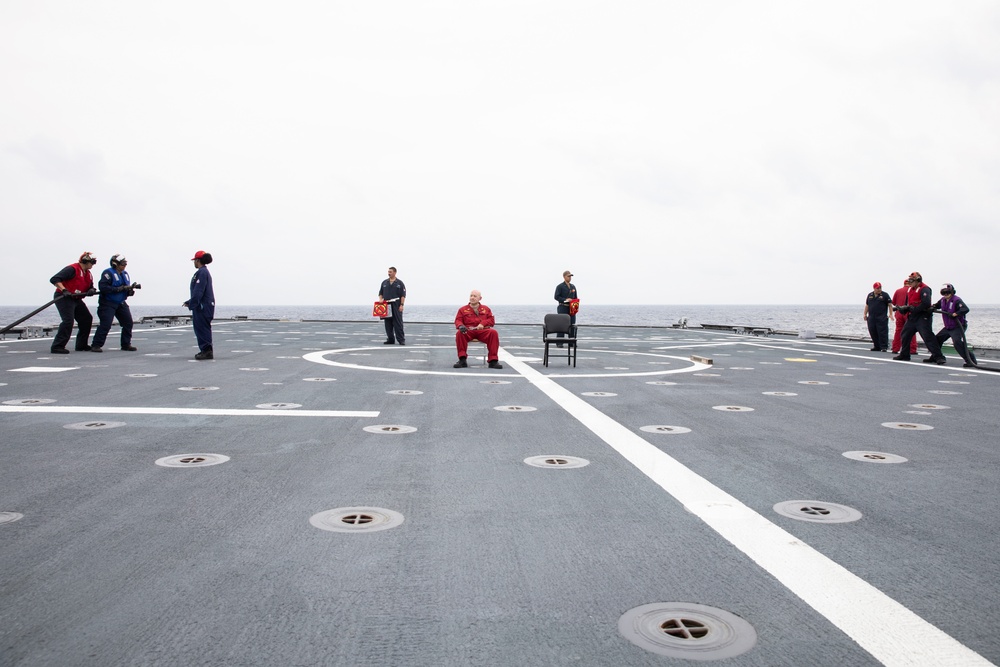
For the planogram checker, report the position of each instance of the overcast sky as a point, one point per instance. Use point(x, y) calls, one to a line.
point(665, 152)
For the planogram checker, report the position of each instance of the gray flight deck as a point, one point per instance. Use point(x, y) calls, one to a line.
point(334, 501)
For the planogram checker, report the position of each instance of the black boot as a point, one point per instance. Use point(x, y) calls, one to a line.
point(461, 363)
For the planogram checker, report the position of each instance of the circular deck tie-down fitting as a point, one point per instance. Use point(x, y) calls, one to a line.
point(92, 426)
point(10, 517)
point(191, 460)
point(663, 428)
point(556, 461)
point(687, 630)
point(356, 519)
point(875, 457)
point(817, 511)
point(904, 426)
point(390, 429)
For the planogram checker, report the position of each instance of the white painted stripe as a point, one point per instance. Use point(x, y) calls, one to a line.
point(225, 412)
point(916, 363)
point(43, 369)
point(889, 631)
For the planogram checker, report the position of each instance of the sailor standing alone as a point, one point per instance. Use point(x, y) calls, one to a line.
point(393, 292)
point(877, 306)
point(565, 294)
point(202, 304)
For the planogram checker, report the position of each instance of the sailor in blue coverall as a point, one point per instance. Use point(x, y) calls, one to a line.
point(114, 288)
point(202, 305)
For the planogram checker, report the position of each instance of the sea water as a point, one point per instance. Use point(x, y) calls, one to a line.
point(984, 321)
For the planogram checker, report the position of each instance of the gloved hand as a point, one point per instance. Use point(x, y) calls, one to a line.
point(64, 291)
point(121, 288)
point(91, 292)
point(904, 309)
point(463, 328)
point(136, 286)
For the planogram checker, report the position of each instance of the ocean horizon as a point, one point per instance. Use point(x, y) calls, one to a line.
point(844, 319)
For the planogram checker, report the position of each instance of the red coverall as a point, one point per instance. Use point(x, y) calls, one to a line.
point(900, 298)
point(488, 335)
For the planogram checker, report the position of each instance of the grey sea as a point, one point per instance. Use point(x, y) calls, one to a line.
point(846, 320)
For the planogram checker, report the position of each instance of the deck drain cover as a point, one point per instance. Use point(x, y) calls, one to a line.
point(356, 519)
point(253, 369)
point(952, 382)
point(687, 630)
point(10, 517)
point(944, 392)
point(732, 408)
point(907, 427)
point(812, 382)
point(661, 428)
point(930, 406)
point(662, 383)
point(598, 393)
point(93, 426)
point(707, 375)
point(495, 382)
point(278, 406)
point(779, 393)
point(916, 412)
point(556, 461)
point(191, 460)
point(515, 408)
point(141, 375)
point(817, 511)
point(841, 375)
point(198, 388)
point(404, 392)
point(390, 428)
point(319, 379)
point(30, 401)
point(875, 457)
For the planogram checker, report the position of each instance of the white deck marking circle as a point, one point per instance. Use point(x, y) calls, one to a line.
point(889, 631)
point(320, 358)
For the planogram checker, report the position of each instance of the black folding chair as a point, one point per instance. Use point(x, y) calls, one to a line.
point(559, 323)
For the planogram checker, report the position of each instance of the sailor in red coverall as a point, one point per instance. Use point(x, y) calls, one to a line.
point(72, 284)
point(899, 298)
point(475, 322)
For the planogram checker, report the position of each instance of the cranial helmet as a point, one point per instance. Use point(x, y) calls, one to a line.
point(947, 288)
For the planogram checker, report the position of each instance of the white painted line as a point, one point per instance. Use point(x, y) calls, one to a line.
point(225, 412)
point(42, 369)
point(889, 631)
point(887, 360)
